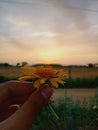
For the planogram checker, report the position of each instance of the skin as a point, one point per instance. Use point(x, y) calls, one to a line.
point(14, 117)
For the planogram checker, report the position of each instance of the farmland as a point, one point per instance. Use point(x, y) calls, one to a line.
point(75, 72)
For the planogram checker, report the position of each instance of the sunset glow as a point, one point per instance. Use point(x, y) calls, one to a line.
point(40, 31)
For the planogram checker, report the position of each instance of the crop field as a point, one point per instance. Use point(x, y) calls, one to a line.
point(75, 72)
point(10, 71)
point(84, 72)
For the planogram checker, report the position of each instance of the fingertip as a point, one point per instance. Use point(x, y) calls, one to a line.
point(47, 92)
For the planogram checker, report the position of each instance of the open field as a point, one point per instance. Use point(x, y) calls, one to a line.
point(10, 71)
point(83, 72)
point(75, 72)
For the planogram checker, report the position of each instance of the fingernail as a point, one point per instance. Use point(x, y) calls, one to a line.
point(46, 93)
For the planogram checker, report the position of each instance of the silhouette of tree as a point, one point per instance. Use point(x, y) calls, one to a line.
point(24, 63)
point(90, 65)
point(18, 64)
point(5, 65)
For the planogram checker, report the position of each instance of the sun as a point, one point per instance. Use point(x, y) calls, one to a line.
point(47, 51)
point(50, 55)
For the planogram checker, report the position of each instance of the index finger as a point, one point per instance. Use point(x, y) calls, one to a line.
point(15, 89)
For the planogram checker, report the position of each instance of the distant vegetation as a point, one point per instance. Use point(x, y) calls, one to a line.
point(19, 64)
point(4, 79)
point(69, 83)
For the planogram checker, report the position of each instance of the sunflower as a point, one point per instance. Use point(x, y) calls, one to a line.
point(42, 75)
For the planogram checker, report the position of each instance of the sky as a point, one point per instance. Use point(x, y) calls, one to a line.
point(49, 31)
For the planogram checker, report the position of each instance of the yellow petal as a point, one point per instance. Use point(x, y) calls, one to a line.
point(53, 82)
point(61, 73)
point(37, 83)
point(24, 78)
point(59, 81)
point(43, 80)
point(55, 71)
point(28, 70)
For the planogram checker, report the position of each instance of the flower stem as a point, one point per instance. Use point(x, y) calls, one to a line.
point(52, 110)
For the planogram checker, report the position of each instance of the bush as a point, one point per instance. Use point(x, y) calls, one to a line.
point(4, 79)
point(69, 83)
point(72, 115)
point(80, 83)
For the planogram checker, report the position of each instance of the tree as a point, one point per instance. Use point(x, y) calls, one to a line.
point(18, 64)
point(5, 65)
point(90, 65)
point(24, 63)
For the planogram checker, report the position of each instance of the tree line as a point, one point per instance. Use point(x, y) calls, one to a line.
point(20, 64)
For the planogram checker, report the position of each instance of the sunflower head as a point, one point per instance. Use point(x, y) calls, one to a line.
point(42, 75)
point(45, 72)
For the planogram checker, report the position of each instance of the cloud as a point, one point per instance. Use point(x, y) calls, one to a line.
point(75, 15)
point(49, 30)
point(17, 21)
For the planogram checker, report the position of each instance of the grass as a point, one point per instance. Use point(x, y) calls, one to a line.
point(73, 115)
point(10, 72)
point(69, 83)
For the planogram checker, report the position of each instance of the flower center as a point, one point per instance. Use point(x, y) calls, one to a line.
point(43, 72)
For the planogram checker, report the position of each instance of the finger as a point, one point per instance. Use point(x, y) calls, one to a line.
point(18, 88)
point(14, 92)
point(20, 91)
point(23, 118)
point(8, 112)
point(15, 88)
point(14, 100)
point(50, 101)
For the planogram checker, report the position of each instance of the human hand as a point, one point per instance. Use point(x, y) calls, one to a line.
point(33, 100)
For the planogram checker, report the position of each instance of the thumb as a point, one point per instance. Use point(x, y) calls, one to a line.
point(23, 118)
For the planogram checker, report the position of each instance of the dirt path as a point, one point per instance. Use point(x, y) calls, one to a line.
point(75, 93)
